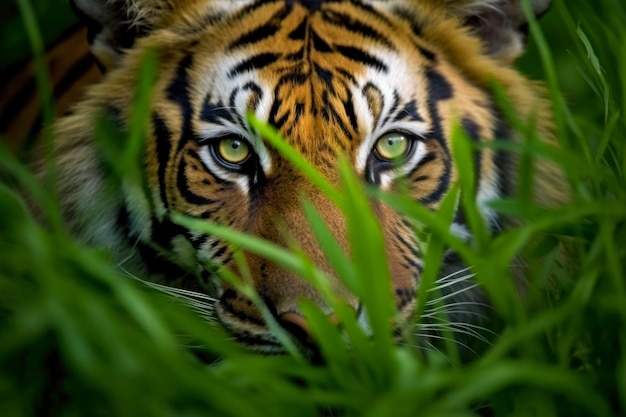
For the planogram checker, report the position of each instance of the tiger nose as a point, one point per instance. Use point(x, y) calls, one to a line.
point(297, 325)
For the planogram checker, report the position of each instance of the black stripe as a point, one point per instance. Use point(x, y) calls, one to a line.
point(183, 187)
point(295, 56)
point(329, 113)
point(349, 107)
point(503, 160)
point(372, 11)
point(216, 180)
point(411, 263)
point(409, 17)
point(324, 75)
point(246, 11)
point(164, 231)
point(429, 55)
point(429, 157)
point(254, 36)
point(277, 123)
point(198, 241)
point(215, 112)
point(311, 5)
point(221, 251)
point(157, 264)
point(299, 33)
point(442, 188)
point(409, 112)
point(264, 31)
point(368, 91)
point(471, 130)
point(256, 89)
point(293, 79)
point(356, 26)
point(255, 62)
point(231, 105)
point(394, 107)
point(163, 149)
point(411, 248)
point(320, 44)
point(178, 92)
point(459, 216)
point(124, 222)
point(227, 299)
point(438, 89)
point(208, 214)
point(359, 55)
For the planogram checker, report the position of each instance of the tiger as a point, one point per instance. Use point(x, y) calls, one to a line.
point(380, 82)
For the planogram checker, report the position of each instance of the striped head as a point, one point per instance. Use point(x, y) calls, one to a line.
point(381, 82)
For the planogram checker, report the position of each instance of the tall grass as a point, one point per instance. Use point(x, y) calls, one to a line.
point(77, 338)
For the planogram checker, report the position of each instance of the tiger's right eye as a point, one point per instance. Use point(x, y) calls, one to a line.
point(233, 150)
point(392, 147)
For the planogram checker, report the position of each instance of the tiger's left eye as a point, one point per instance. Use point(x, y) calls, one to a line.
point(233, 150)
point(392, 147)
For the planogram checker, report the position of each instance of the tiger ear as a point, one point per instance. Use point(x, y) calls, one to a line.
point(114, 25)
point(501, 24)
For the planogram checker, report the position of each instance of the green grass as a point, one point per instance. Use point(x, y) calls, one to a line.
point(77, 339)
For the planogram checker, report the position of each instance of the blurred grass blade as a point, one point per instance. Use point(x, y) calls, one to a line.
point(335, 255)
point(369, 258)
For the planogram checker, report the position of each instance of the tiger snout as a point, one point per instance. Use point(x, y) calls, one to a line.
point(281, 291)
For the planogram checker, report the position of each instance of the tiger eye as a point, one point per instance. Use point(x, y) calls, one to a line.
point(233, 150)
point(392, 146)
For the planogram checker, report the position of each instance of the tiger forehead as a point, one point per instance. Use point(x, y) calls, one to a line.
point(323, 74)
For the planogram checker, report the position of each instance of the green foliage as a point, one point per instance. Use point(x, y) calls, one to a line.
point(77, 338)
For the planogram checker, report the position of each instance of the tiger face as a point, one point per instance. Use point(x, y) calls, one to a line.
point(378, 82)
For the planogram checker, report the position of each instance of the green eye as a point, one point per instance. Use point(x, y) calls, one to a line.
point(233, 150)
point(392, 146)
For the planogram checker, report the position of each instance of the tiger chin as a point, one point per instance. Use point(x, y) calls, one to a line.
point(382, 82)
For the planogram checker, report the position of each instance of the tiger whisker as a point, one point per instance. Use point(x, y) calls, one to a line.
point(449, 310)
point(170, 290)
point(186, 293)
point(458, 304)
point(452, 274)
point(460, 271)
point(454, 329)
point(426, 336)
point(195, 300)
point(436, 315)
point(451, 295)
point(428, 348)
point(469, 326)
point(449, 283)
